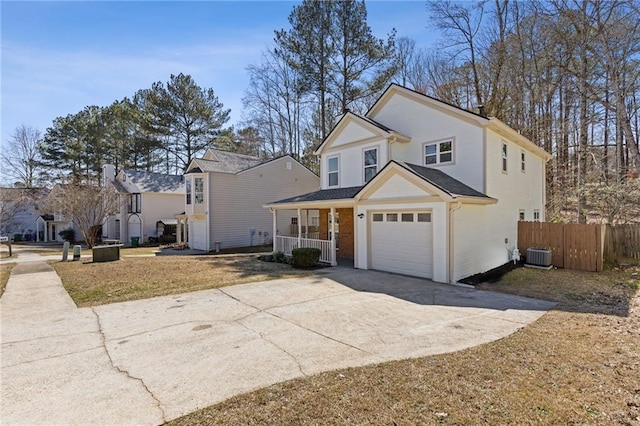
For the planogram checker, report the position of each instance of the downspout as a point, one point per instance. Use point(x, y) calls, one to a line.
point(392, 140)
point(452, 208)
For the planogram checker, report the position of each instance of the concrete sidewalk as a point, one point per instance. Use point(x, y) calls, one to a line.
point(148, 361)
point(55, 367)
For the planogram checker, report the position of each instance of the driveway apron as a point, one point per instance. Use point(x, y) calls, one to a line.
point(148, 361)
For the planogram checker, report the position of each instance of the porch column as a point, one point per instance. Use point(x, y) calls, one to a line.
point(299, 229)
point(332, 216)
point(275, 229)
point(46, 232)
point(37, 232)
point(179, 231)
point(306, 224)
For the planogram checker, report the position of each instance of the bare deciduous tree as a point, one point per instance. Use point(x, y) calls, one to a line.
point(86, 205)
point(21, 159)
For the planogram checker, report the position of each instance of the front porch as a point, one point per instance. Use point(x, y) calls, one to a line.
point(331, 233)
point(48, 228)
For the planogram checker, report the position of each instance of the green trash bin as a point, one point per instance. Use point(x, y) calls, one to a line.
point(135, 241)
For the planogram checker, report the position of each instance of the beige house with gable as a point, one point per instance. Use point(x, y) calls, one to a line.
point(224, 194)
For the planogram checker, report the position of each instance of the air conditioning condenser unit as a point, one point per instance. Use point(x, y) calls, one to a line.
point(539, 257)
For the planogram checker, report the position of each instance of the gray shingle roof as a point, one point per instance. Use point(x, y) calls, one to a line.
point(225, 162)
point(323, 195)
point(444, 181)
point(156, 182)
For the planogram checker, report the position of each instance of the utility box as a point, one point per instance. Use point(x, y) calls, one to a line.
point(106, 253)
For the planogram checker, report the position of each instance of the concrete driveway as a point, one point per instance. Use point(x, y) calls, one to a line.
point(148, 361)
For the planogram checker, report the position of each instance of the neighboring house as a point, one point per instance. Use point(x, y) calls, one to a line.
point(148, 205)
point(19, 210)
point(225, 192)
point(421, 187)
point(50, 224)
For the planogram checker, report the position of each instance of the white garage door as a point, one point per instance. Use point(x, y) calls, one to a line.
point(198, 235)
point(402, 242)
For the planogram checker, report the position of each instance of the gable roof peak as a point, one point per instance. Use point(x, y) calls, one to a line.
point(396, 88)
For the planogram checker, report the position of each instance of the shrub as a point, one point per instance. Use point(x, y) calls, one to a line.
point(305, 257)
point(68, 235)
point(280, 257)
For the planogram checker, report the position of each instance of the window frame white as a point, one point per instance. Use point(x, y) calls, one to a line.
point(438, 153)
point(370, 166)
point(536, 215)
point(187, 185)
point(523, 161)
point(521, 215)
point(198, 193)
point(336, 172)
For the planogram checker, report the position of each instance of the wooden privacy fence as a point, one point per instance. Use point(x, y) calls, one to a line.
point(573, 246)
point(622, 242)
point(578, 246)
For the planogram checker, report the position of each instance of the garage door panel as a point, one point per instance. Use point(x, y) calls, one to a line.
point(402, 247)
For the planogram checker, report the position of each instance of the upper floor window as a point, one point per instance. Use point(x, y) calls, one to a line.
point(370, 164)
point(439, 152)
point(504, 157)
point(198, 190)
point(522, 161)
point(332, 166)
point(188, 189)
point(135, 203)
point(536, 215)
point(521, 215)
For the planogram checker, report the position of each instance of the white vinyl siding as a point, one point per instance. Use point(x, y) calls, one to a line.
point(238, 201)
point(424, 124)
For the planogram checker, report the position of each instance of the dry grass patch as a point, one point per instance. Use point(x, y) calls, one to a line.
point(91, 284)
point(5, 271)
point(138, 251)
point(578, 364)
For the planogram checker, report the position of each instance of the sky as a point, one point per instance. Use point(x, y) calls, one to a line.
point(58, 57)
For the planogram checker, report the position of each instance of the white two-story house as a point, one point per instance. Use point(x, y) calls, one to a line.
point(420, 187)
point(149, 202)
point(224, 195)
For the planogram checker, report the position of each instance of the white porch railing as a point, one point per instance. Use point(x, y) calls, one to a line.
point(287, 244)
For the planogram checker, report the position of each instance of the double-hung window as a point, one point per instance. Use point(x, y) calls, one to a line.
point(523, 165)
point(370, 164)
point(333, 171)
point(198, 190)
point(188, 189)
point(438, 153)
